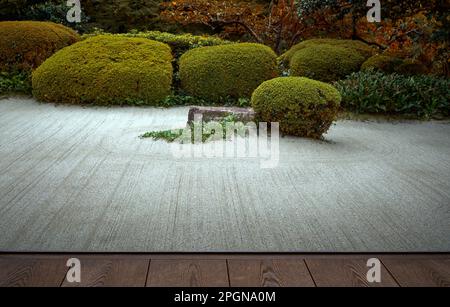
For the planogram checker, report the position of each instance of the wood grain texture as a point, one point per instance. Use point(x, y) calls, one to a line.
point(269, 273)
point(188, 273)
point(26, 272)
point(111, 272)
point(341, 272)
point(419, 272)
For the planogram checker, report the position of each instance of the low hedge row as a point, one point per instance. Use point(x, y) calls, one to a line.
point(180, 43)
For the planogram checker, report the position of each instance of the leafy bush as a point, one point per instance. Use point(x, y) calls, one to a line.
point(233, 71)
point(362, 48)
point(24, 45)
point(106, 70)
point(15, 83)
point(375, 92)
point(302, 106)
point(325, 62)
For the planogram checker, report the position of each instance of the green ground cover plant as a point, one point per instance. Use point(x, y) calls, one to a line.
point(376, 92)
point(15, 83)
point(187, 135)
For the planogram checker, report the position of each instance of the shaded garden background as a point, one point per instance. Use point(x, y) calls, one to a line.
point(410, 29)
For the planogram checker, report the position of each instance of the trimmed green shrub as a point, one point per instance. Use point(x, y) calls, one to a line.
point(325, 62)
point(106, 70)
point(362, 48)
point(384, 63)
point(375, 92)
point(219, 72)
point(24, 45)
point(302, 106)
point(390, 64)
point(180, 43)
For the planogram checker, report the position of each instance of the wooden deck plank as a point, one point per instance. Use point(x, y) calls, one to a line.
point(188, 273)
point(111, 272)
point(331, 272)
point(29, 272)
point(427, 272)
point(269, 273)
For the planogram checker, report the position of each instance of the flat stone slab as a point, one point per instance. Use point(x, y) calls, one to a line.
point(218, 113)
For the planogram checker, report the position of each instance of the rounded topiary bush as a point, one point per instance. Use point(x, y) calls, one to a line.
point(302, 106)
point(24, 45)
point(411, 67)
point(219, 72)
point(325, 62)
point(106, 70)
point(384, 63)
point(360, 47)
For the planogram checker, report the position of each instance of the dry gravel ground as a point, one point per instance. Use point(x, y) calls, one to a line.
point(80, 179)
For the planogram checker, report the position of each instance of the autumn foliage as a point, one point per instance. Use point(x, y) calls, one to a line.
point(417, 29)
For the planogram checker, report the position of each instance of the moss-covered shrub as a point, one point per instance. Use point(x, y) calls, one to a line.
point(302, 106)
point(362, 48)
point(219, 72)
point(24, 45)
point(106, 70)
point(325, 62)
point(384, 63)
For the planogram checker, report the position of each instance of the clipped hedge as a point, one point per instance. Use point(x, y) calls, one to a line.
point(106, 70)
point(360, 47)
point(325, 62)
point(219, 72)
point(180, 43)
point(302, 106)
point(24, 45)
point(376, 92)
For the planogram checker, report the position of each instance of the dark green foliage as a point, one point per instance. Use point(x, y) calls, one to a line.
point(122, 15)
point(375, 92)
point(15, 83)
